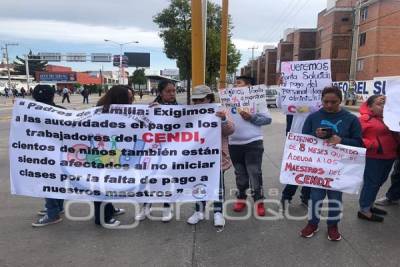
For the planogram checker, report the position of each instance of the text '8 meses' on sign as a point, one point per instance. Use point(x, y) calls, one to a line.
point(131, 154)
point(302, 84)
point(312, 162)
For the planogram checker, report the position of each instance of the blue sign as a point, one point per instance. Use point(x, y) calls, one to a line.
point(57, 77)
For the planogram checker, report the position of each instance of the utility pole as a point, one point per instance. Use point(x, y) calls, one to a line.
point(121, 75)
point(252, 59)
point(8, 62)
point(224, 45)
point(199, 24)
point(27, 72)
point(354, 45)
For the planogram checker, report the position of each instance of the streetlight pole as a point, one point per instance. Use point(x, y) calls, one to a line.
point(252, 60)
point(27, 72)
point(120, 55)
point(8, 62)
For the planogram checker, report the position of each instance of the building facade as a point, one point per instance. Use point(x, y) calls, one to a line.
point(378, 52)
point(360, 37)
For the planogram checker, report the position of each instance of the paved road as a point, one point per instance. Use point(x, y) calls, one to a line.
point(248, 242)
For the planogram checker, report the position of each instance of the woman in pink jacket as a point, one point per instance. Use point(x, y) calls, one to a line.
point(202, 95)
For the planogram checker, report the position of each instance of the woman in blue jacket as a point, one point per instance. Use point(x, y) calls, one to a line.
point(337, 126)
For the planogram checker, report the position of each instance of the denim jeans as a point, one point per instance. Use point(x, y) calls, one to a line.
point(375, 175)
point(290, 190)
point(200, 206)
point(334, 204)
point(54, 207)
point(394, 191)
point(247, 160)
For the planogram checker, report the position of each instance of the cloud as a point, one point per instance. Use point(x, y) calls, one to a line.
point(61, 31)
point(265, 21)
point(256, 22)
point(124, 13)
point(245, 45)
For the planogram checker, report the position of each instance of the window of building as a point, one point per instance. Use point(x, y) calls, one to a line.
point(364, 13)
point(360, 64)
point(345, 19)
point(363, 38)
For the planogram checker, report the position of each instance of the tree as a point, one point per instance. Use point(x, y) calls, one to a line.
point(35, 64)
point(138, 77)
point(175, 30)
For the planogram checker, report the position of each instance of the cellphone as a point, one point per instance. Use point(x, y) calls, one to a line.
point(328, 131)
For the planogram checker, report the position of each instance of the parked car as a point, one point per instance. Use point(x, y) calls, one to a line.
point(272, 94)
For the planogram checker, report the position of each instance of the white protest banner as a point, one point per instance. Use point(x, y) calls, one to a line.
point(310, 161)
point(251, 99)
point(365, 89)
point(133, 153)
point(391, 111)
point(302, 84)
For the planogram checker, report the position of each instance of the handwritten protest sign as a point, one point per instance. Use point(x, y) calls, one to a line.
point(391, 112)
point(132, 153)
point(302, 84)
point(251, 99)
point(309, 161)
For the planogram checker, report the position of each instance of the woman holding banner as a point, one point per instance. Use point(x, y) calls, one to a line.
point(54, 207)
point(337, 126)
point(382, 146)
point(118, 94)
point(202, 95)
point(166, 96)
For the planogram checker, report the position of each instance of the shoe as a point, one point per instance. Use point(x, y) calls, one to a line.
point(373, 218)
point(112, 222)
point(309, 230)
point(378, 211)
point(45, 220)
point(386, 202)
point(118, 211)
point(219, 220)
point(195, 218)
point(333, 233)
point(260, 209)
point(239, 206)
point(143, 213)
point(43, 212)
point(166, 214)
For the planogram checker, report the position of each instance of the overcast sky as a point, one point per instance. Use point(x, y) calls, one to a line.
point(82, 25)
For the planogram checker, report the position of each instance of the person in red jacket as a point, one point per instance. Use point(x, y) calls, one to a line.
point(381, 145)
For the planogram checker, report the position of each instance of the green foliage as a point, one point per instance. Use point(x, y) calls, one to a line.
point(175, 30)
point(138, 77)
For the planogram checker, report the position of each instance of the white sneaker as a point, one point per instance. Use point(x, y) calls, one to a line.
point(219, 220)
point(195, 218)
point(166, 214)
point(118, 211)
point(143, 213)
